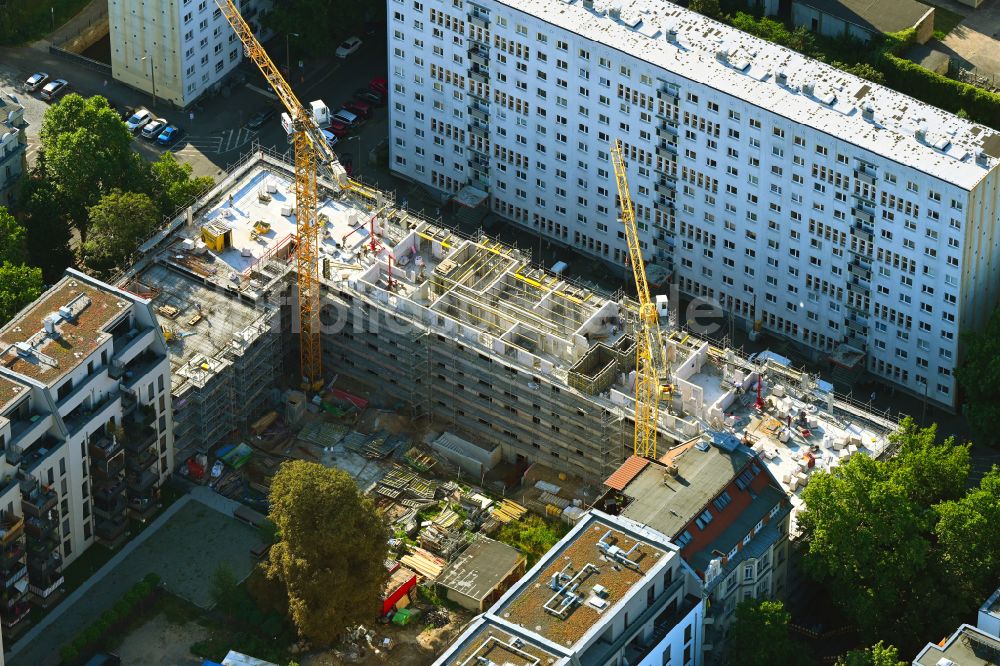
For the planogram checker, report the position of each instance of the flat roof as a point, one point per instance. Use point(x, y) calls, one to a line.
point(580, 560)
point(480, 568)
point(874, 15)
point(53, 356)
point(667, 503)
point(10, 391)
point(500, 645)
point(199, 318)
point(967, 646)
point(746, 67)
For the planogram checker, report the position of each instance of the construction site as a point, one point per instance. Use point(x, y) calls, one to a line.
point(427, 332)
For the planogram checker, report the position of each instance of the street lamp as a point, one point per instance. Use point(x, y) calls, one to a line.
point(357, 137)
point(152, 75)
point(288, 53)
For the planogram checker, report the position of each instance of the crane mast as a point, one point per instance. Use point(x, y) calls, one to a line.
point(311, 152)
point(652, 377)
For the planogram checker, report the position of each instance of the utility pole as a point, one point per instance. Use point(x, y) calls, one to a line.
point(288, 53)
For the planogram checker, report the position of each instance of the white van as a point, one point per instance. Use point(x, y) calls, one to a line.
point(346, 117)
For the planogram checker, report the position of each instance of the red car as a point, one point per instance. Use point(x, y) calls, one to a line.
point(358, 108)
point(379, 85)
point(339, 130)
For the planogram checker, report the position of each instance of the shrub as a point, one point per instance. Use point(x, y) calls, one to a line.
point(151, 579)
point(68, 653)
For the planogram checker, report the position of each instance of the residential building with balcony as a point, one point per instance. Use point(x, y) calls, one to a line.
point(177, 50)
point(846, 217)
point(83, 375)
point(728, 515)
point(13, 147)
point(610, 592)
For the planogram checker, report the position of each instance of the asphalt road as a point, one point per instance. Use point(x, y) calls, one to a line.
point(215, 135)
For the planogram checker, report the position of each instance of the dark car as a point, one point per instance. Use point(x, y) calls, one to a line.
point(339, 130)
point(360, 109)
point(257, 120)
point(369, 96)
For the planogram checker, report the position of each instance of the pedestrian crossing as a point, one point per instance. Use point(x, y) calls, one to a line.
point(223, 141)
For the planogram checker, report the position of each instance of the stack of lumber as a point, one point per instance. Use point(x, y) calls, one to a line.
point(506, 511)
point(427, 565)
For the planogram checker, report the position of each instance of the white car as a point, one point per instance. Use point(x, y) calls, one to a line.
point(152, 129)
point(138, 119)
point(331, 138)
point(35, 81)
point(53, 88)
point(348, 46)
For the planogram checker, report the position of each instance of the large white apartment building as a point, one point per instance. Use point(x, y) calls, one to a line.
point(176, 49)
point(86, 432)
point(818, 205)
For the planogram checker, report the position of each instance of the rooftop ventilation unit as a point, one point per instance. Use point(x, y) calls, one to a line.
point(808, 88)
point(781, 78)
point(982, 159)
point(868, 112)
point(920, 134)
point(672, 35)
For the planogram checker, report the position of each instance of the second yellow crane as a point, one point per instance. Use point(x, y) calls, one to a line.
point(652, 377)
point(311, 152)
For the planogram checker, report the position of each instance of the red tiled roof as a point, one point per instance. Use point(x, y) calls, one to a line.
point(628, 471)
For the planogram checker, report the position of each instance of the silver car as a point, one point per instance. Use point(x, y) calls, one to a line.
point(36, 81)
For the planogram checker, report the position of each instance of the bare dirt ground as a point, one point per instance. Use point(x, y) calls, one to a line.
point(414, 645)
point(161, 643)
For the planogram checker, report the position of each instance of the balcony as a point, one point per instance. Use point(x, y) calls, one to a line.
point(478, 114)
point(478, 57)
point(96, 411)
point(859, 271)
point(12, 556)
point(865, 175)
point(478, 130)
point(43, 567)
point(11, 527)
point(39, 503)
point(46, 593)
point(40, 530)
point(12, 576)
point(139, 483)
point(140, 367)
point(110, 532)
point(142, 508)
point(478, 20)
point(862, 215)
point(142, 460)
point(861, 196)
point(863, 231)
point(128, 345)
point(668, 92)
point(14, 613)
point(139, 438)
point(24, 433)
point(477, 75)
point(104, 447)
point(106, 495)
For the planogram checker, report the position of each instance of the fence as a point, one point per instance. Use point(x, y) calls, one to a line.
point(974, 76)
point(89, 63)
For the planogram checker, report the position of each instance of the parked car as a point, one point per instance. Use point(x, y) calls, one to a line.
point(345, 117)
point(169, 135)
point(360, 109)
point(257, 120)
point(331, 138)
point(339, 130)
point(36, 81)
point(52, 89)
point(138, 119)
point(379, 85)
point(348, 46)
point(370, 96)
point(152, 129)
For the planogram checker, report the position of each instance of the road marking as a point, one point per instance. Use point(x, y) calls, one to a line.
point(210, 144)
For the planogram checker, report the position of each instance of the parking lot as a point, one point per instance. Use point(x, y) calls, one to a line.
point(215, 131)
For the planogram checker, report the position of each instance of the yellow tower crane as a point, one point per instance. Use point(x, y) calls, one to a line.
point(311, 151)
point(652, 376)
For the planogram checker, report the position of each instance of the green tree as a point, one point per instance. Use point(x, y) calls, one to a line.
point(19, 285)
point(709, 8)
point(331, 550)
point(532, 535)
point(119, 223)
point(979, 377)
point(173, 185)
point(759, 636)
point(48, 228)
point(969, 535)
point(877, 655)
point(87, 154)
point(869, 529)
point(13, 239)
point(864, 70)
point(225, 591)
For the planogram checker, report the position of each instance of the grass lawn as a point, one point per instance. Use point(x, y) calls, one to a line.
point(33, 19)
point(945, 21)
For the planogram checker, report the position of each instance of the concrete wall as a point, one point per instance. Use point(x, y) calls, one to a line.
point(925, 27)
